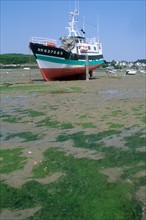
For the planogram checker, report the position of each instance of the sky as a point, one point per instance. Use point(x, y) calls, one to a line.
point(121, 24)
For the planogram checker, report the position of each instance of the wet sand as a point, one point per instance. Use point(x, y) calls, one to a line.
point(93, 102)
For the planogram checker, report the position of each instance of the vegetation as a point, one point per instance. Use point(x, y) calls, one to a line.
point(114, 125)
point(82, 193)
point(87, 141)
point(48, 122)
point(114, 65)
point(141, 61)
point(82, 190)
point(51, 88)
point(10, 118)
point(11, 160)
point(88, 125)
point(27, 136)
point(7, 59)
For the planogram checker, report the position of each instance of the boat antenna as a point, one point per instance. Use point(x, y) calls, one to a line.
point(77, 5)
point(97, 27)
point(72, 29)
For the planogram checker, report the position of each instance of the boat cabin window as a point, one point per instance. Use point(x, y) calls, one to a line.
point(89, 48)
point(82, 41)
point(94, 48)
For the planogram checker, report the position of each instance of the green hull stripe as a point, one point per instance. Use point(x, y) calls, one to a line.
point(69, 62)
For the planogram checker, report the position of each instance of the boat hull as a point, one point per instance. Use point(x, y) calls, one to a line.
point(50, 74)
point(58, 64)
point(131, 72)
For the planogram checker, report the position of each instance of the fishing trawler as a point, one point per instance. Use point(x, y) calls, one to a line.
point(72, 59)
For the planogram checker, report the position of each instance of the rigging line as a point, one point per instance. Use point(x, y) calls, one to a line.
point(88, 23)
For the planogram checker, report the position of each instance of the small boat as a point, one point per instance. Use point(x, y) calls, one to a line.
point(131, 72)
point(112, 71)
point(72, 58)
point(142, 71)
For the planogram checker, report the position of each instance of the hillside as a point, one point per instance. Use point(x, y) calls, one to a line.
point(7, 59)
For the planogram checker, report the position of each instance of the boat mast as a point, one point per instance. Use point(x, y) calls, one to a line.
point(97, 28)
point(72, 29)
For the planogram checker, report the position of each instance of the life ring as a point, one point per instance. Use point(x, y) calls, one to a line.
point(50, 44)
point(84, 48)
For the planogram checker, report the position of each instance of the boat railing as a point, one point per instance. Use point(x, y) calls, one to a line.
point(92, 40)
point(41, 40)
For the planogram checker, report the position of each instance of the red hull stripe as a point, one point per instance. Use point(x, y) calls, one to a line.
point(66, 73)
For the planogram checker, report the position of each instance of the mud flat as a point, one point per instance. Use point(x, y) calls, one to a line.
point(74, 149)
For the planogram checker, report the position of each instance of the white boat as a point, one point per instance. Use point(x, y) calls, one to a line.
point(131, 72)
point(142, 71)
point(68, 61)
point(111, 71)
